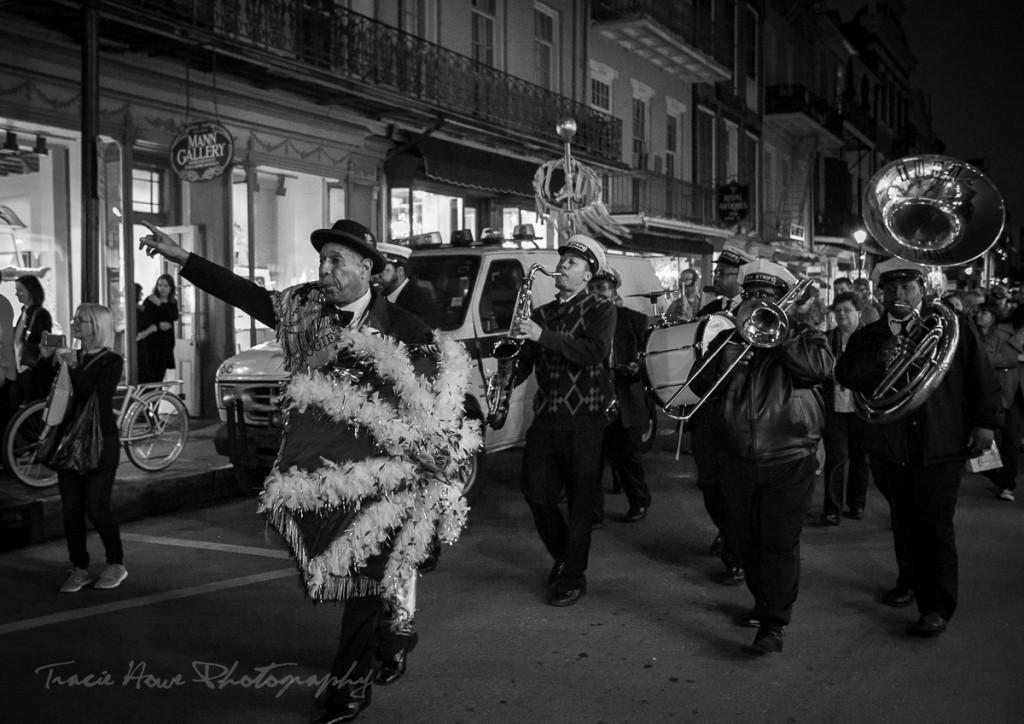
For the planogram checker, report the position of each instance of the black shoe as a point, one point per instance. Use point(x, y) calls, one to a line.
point(345, 712)
point(564, 595)
point(855, 513)
point(928, 626)
point(898, 597)
point(830, 519)
point(732, 576)
point(557, 570)
point(768, 639)
point(635, 513)
point(393, 669)
point(717, 545)
point(597, 524)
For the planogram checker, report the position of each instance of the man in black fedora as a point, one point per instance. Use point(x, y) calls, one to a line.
point(337, 493)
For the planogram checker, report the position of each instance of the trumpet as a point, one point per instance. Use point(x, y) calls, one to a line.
point(759, 323)
point(506, 352)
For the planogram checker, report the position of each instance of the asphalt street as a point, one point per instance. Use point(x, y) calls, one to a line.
point(212, 626)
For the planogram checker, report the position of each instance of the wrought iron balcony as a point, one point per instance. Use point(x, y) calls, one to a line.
point(656, 195)
point(340, 57)
point(695, 47)
point(796, 109)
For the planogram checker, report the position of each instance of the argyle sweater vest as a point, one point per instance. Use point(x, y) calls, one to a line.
point(566, 389)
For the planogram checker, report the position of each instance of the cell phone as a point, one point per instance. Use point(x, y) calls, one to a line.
point(53, 340)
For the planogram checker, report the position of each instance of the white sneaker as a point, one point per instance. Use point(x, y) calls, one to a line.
point(1007, 495)
point(112, 576)
point(77, 579)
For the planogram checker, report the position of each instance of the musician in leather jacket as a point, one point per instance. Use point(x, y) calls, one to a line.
point(917, 461)
point(769, 420)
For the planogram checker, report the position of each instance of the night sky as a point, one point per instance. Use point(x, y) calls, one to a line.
point(970, 61)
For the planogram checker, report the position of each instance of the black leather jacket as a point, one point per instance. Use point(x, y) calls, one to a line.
point(771, 410)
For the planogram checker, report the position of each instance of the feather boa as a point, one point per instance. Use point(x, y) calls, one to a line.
point(403, 495)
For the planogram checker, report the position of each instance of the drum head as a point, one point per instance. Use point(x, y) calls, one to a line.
point(673, 354)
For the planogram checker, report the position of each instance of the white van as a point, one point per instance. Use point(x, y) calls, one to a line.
point(475, 290)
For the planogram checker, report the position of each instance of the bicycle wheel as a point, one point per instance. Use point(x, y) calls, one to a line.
point(20, 441)
point(154, 430)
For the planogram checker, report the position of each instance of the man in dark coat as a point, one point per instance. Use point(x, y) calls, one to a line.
point(624, 434)
point(349, 488)
point(706, 449)
point(401, 289)
point(768, 420)
point(917, 461)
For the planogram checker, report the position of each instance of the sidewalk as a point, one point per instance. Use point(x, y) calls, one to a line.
point(198, 477)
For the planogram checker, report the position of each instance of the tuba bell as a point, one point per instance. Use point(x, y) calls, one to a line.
point(937, 211)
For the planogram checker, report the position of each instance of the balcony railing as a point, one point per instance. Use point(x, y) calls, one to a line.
point(322, 44)
point(637, 192)
point(693, 26)
point(799, 99)
point(862, 121)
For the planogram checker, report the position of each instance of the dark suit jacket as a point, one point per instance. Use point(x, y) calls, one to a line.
point(627, 344)
point(415, 299)
point(969, 396)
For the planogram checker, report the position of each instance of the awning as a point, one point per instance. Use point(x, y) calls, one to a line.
point(473, 168)
point(791, 251)
point(673, 244)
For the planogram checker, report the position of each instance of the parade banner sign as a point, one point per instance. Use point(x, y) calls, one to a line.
point(202, 151)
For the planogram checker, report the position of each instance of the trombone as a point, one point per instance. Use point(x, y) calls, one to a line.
point(759, 323)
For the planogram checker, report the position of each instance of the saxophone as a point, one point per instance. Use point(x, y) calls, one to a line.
point(506, 352)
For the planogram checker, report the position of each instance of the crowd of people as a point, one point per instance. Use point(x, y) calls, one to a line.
point(367, 481)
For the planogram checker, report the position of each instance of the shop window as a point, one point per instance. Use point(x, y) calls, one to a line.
point(146, 191)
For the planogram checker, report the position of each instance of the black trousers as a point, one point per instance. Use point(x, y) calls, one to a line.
point(846, 462)
point(767, 505)
point(922, 503)
point(621, 450)
point(564, 452)
point(88, 496)
point(706, 457)
point(365, 641)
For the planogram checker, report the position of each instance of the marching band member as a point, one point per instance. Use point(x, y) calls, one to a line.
point(568, 341)
point(917, 462)
point(371, 453)
point(769, 418)
point(705, 447)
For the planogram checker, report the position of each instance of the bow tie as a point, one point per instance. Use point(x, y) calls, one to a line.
point(344, 318)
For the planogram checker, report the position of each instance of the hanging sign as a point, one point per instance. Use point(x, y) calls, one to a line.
point(733, 202)
point(202, 151)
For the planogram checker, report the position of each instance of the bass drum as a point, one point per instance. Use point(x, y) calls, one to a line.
point(673, 354)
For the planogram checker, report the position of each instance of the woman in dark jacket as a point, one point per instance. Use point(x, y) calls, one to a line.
point(86, 494)
point(156, 339)
point(846, 459)
point(34, 377)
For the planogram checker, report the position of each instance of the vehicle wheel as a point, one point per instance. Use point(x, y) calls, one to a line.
point(651, 433)
point(250, 480)
point(472, 480)
point(155, 430)
point(20, 441)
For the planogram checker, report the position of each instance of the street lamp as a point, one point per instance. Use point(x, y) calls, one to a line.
point(860, 236)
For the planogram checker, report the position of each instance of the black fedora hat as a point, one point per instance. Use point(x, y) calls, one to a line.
point(353, 235)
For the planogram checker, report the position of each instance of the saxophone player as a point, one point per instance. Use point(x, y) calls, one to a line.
point(567, 342)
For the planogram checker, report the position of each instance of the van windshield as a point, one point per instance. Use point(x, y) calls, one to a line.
point(450, 279)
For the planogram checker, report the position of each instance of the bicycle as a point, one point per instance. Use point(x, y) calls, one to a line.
point(152, 425)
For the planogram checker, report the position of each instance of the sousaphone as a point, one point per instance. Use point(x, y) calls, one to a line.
point(937, 211)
